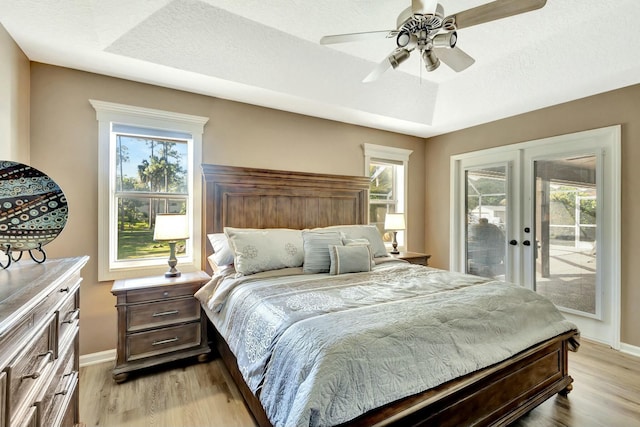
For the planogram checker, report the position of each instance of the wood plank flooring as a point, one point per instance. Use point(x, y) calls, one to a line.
point(606, 394)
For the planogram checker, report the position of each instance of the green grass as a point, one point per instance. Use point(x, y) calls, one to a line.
point(136, 241)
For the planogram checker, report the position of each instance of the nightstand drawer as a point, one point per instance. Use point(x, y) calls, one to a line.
point(152, 343)
point(162, 293)
point(163, 313)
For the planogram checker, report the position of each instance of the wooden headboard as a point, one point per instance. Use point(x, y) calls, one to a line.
point(264, 198)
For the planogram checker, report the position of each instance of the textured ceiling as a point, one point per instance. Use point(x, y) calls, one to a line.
point(267, 53)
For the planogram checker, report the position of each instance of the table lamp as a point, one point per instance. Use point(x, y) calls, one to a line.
point(394, 222)
point(171, 228)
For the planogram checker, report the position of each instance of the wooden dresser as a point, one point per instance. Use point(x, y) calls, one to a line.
point(39, 323)
point(159, 321)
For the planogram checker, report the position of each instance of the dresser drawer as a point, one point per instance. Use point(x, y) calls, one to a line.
point(53, 402)
point(153, 343)
point(30, 419)
point(146, 316)
point(161, 293)
point(68, 315)
point(31, 363)
point(57, 296)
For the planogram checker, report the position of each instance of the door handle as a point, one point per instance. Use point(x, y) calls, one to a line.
point(526, 243)
point(513, 242)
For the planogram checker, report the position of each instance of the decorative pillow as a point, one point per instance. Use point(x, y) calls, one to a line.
point(266, 249)
point(361, 231)
point(349, 259)
point(222, 253)
point(359, 242)
point(355, 242)
point(316, 249)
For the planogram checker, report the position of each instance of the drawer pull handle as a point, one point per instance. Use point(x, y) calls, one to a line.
point(166, 313)
point(65, 391)
point(64, 289)
point(165, 294)
point(74, 316)
point(43, 364)
point(170, 340)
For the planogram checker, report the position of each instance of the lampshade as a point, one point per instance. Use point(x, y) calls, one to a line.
point(394, 221)
point(171, 227)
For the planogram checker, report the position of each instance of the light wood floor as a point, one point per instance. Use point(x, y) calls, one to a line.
point(606, 394)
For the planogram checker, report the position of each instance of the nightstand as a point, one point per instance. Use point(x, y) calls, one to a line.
point(159, 321)
point(413, 257)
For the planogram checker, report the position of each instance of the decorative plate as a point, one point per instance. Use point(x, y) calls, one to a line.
point(33, 208)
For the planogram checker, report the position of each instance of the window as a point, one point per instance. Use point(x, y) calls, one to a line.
point(387, 168)
point(147, 164)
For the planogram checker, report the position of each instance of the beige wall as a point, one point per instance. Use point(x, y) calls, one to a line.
point(616, 107)
point(64, 135)
point(14, 100)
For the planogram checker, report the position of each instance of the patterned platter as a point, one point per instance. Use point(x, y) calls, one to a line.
point(33, 208)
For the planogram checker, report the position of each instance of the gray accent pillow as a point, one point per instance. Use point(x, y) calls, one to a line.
point(361, 231)
point(349, 259)
point(316, 249)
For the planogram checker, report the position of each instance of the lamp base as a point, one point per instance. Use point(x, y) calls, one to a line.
point(395, 250)
point(173, 271)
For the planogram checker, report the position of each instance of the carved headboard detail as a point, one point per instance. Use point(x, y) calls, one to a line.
point(264, 198)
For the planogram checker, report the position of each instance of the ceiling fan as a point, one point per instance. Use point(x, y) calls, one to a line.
point(423, 26)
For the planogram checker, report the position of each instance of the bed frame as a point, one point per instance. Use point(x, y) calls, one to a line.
point(261, 198)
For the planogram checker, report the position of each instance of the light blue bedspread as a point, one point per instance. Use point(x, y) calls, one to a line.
point(320, 350)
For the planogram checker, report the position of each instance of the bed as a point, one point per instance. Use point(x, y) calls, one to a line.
point(498, 393)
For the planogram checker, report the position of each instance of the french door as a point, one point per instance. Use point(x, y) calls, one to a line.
point(545, 215)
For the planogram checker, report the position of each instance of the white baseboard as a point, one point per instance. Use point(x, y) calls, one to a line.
point(630, 349)
point(99, 357)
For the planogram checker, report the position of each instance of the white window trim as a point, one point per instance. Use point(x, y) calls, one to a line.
point(108, 112)
point(384, 153)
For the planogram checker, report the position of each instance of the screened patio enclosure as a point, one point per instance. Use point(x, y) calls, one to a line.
point(565, 228)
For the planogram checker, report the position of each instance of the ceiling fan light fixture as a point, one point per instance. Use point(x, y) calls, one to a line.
point(445, 39)
point(406, 40)
point(403, 39)
point(398, 57)
point(431, 61)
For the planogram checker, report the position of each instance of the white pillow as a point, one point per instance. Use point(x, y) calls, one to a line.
point(362, 231)
point(222, 253)
point(266, 249)
point(316, 249)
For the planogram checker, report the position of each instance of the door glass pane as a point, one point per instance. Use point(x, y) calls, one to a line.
point(486, 207)
point(565, 206)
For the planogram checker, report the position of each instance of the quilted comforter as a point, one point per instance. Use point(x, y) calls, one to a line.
point(321, 350)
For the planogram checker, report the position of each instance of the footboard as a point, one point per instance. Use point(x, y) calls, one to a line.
point(494, 396)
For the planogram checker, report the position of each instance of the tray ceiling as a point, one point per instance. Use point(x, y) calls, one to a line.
point(267, 53)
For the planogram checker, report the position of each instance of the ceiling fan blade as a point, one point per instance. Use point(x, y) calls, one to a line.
point(424, 6)
point(455, 58)
point(356, 37)
point(404, 15)
point(378, 70)
point(495, 10)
